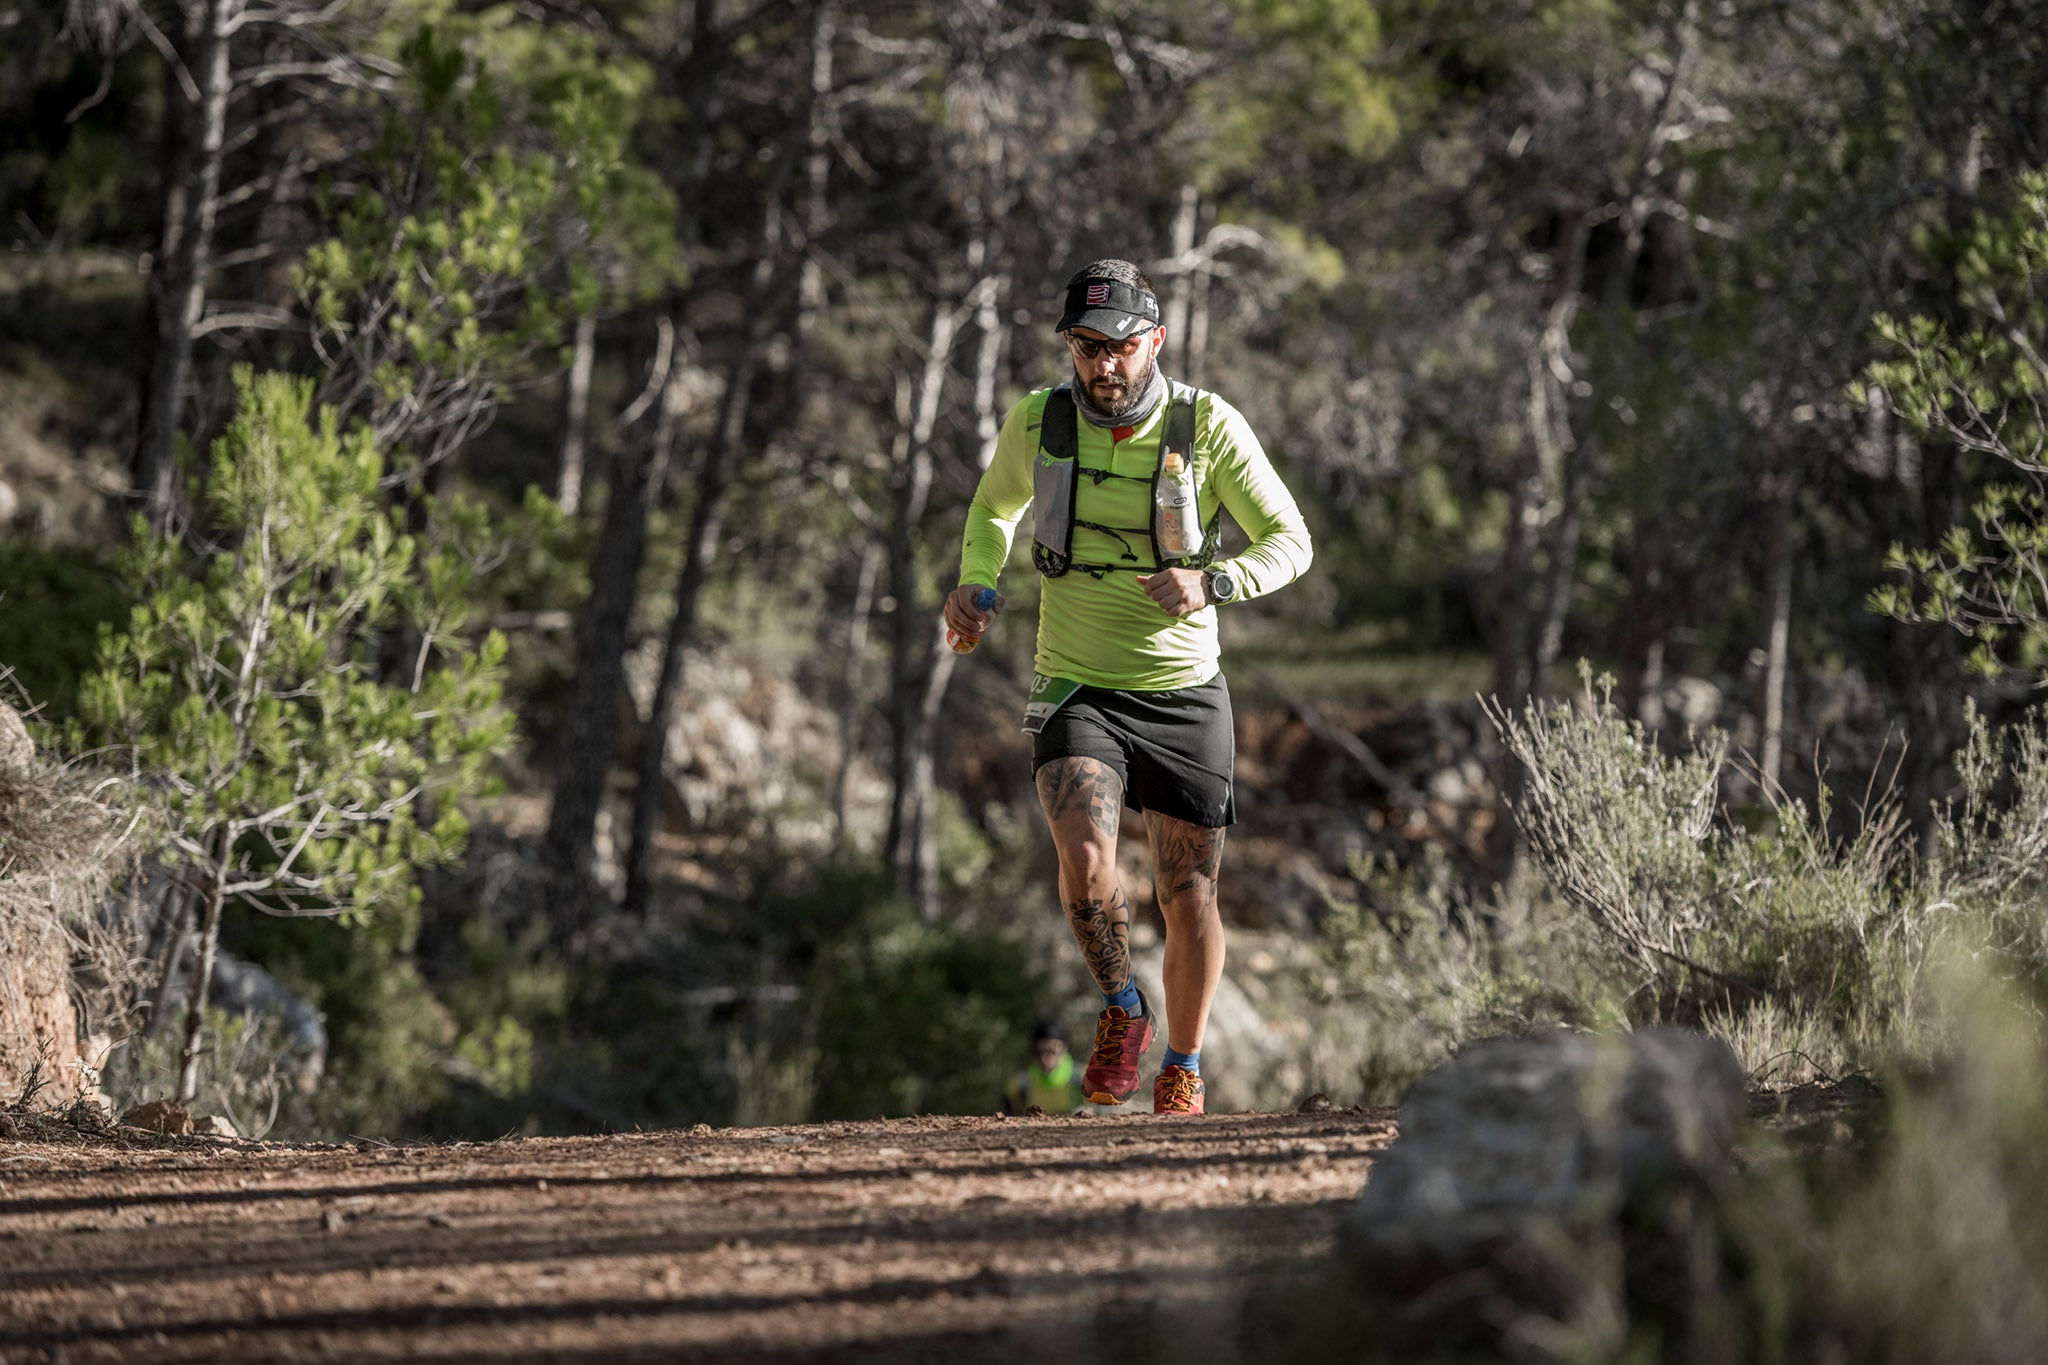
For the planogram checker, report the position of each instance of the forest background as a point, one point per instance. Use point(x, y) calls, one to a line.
point(479, 480)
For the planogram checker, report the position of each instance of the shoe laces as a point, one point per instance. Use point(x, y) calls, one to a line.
point(1181, 1088)
point(1109, 1038)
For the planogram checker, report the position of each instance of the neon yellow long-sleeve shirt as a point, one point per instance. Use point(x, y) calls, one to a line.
point(1104, 631)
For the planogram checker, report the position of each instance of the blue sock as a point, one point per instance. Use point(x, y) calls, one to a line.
point(1186, 1061)
point(1127, 999)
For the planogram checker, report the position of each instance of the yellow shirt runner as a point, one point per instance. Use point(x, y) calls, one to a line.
point(1103, 630)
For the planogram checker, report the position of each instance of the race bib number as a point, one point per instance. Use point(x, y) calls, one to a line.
point(1047, 696)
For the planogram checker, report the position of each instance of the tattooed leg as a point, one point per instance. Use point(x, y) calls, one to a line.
point(1083, 802)
point(1071, 789)
point(1187, 860)
point(1103, 929)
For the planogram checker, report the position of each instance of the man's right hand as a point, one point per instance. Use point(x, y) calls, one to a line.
point(963, 616)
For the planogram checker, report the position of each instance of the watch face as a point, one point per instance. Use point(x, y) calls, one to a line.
point(1222, 586)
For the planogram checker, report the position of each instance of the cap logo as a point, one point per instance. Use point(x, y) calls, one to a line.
point(1098, 295)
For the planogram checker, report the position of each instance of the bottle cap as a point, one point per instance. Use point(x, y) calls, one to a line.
point(1170, 462)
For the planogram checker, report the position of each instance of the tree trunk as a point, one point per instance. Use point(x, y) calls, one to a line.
point(591, 727)
point(915, 628)
point(1564, 563)
point(202, 967)
point(1549, 435)
point(1777, 640)
point(1180, 296)
point(810, 290)
point(850, 689)
point(705, 519)
point(1641, 641)
point(923, 840)
point(576, 416)
point(177, 293)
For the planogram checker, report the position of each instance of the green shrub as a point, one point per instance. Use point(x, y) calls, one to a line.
point(1786, 941)
point(53, 601)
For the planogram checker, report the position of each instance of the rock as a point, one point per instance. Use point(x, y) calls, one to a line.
point(1520, 1155)
point(161, 1116)
point(1318, 1103)
point(17, 750)
point(9, 1129)
point(90, 1114)
point(213, 1125)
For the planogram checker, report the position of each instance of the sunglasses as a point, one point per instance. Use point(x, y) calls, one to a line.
point(1088, 348)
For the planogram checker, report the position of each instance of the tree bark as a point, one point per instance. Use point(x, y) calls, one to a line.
point(576, 416)
point(915, 628)
point(1180, 297)
point(1548, 425)
point(1564, 562)
point(849, 692)
point(1641, 641)
point(202, 966)
point(705, 518)
point(1777, 639)
point(177, 293)
point(590, 730)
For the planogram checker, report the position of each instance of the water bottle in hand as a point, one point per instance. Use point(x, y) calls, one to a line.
point(964, 644)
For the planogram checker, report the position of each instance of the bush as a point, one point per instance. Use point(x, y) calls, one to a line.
point(1786, 940)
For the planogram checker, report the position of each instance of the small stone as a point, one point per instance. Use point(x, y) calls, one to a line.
point(215, 1125)
point(1318, 1103)
point(161, 1116)
point(90, 1115)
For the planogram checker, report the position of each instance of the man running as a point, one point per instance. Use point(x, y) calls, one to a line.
point(1129, 705)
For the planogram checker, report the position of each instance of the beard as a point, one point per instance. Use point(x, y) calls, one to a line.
point(1118, 395)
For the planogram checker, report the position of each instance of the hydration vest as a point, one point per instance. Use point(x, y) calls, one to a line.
point(1057, 474)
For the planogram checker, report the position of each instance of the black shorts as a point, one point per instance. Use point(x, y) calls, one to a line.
point(1174, 750)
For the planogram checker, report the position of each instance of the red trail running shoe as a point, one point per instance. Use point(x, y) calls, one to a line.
point(1120, 1043)
point(1177, 1091)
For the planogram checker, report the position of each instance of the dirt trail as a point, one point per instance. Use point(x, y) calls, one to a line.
point(909, 1240)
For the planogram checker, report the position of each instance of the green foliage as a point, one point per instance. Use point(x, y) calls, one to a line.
point(288, 760)
point(1784, 938)
point(1980, 386)
point(54, 600)
point(1311, 80)
point(893, 1016)
point(1412, 973)
point(499, 205)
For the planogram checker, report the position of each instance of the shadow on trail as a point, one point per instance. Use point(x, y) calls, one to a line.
point(411, 1248)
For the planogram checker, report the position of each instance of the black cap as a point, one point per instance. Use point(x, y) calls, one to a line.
point(1108, 306)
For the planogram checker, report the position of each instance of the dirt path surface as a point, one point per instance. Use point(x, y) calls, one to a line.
point(909, 1240)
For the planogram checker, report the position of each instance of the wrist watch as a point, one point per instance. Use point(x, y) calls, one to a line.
point(1222, 585)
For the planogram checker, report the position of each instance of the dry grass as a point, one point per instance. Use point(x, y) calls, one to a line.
point(63, 843)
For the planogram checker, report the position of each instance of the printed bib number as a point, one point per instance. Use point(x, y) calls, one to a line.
point(1047, 696)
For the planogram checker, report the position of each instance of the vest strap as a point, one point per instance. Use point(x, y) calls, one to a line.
point(1058, 475)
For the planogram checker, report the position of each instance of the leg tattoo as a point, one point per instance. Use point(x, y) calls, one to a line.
point(1069, 784)
point(1103, 929)
point(1186, 856)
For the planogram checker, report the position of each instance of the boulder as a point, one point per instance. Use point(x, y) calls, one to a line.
point(160, 1116)
point(1520, 1160)
point(17, 750)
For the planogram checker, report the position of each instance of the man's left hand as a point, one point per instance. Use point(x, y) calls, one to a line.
point(1177, 591)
